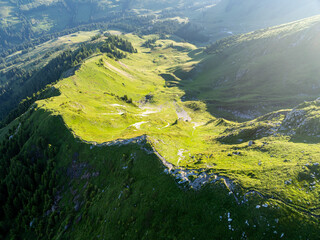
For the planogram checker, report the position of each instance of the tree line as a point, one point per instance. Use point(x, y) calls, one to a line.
point(31, 85)
point(130, 23)
point(112, 45)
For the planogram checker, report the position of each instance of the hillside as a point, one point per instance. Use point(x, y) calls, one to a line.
point(232, 17)
point(132, 160)
point(248, 75)
point(120, 192)
point(22, 23)
point(24, 73)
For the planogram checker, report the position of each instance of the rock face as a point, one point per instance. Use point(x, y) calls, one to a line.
point(304, 120)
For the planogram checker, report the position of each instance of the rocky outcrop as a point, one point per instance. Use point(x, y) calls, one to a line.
point(303, 120)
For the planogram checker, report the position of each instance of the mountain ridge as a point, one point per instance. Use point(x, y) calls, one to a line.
point(140, 141)
point(250, 71)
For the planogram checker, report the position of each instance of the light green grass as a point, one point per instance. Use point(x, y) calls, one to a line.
point(90, 108)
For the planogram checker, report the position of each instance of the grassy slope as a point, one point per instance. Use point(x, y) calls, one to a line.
point(131, 197)
point(231, 17)
point(217, 20)
point(112, 117)
point(33, 60)
point(46, 15)
point(90, 108)
point(40, 55)
point(261, 71)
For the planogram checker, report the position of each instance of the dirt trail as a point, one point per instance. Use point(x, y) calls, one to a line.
point(168, 124)
point(108, 65)
point(195, 125)
point(122, 64)
point(148, 111)
point(138, 125)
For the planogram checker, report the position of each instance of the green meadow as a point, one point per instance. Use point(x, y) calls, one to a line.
point(255, 155)
point(159, 145)
point(148, 135)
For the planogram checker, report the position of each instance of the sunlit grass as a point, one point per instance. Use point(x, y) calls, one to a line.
point(91, 106)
